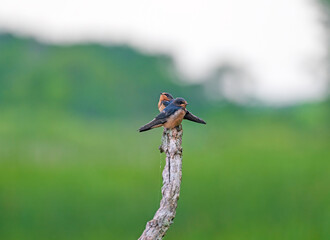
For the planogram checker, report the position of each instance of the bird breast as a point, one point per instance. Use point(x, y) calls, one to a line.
point(175, 119)
point(160, 105)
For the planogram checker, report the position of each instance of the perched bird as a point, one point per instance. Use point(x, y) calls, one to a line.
point(165, 99)
point(170, 117)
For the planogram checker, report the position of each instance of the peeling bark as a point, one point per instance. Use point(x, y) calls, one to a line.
point(172, 173)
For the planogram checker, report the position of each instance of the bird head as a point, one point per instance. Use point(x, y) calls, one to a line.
point(165, 96)
point(180, 102)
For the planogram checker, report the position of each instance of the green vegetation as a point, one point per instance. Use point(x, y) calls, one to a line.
point(92, 80)
point(73, 166)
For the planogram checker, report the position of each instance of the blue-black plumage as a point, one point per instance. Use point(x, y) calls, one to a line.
point(170, 117)
point(166, 98)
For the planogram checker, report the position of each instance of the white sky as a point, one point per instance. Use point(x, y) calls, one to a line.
point(280, 44)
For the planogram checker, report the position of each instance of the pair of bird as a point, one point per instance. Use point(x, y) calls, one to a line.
point(172, 112)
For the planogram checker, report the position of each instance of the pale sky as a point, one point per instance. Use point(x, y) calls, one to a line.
point(279, 44)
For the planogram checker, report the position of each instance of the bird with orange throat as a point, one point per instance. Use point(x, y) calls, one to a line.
point(166, 98)
point(172, 112)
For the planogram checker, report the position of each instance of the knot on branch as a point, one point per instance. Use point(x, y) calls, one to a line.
point(171, 141)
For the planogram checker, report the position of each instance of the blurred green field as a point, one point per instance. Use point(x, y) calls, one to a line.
point(248, 174)
point(73, 166)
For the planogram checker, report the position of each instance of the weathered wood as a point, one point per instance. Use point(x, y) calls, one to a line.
point(172, 174)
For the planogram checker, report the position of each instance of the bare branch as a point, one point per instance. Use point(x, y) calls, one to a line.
point(172, 173)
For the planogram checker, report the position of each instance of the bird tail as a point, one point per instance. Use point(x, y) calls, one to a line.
point(153, 124)
point(191, 117)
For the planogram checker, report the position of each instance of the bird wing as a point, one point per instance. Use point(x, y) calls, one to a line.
point(191, 117)
point(166, 103)
point(168, 111)
point(161, 118)
point(153, 124)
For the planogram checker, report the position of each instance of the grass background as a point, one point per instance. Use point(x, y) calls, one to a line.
point(73, 166)
point(247, 174)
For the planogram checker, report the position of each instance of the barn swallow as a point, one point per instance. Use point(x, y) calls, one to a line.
point(165, 99)
point(170, 117)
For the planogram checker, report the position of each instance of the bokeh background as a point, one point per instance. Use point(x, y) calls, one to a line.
point(78, 78)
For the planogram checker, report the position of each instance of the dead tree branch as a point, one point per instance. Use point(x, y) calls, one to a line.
point(172, 173)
